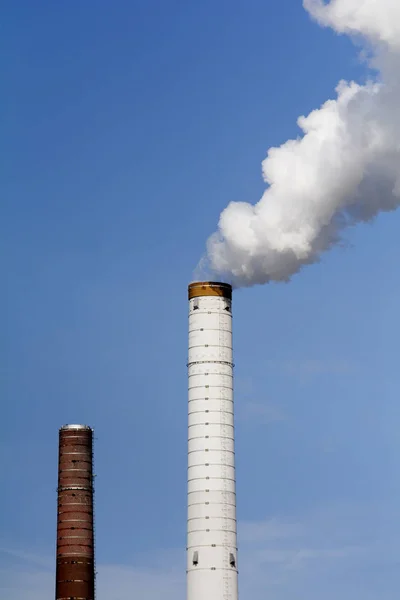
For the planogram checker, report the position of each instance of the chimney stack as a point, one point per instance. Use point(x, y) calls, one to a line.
point(212, 572)
point(75, 537)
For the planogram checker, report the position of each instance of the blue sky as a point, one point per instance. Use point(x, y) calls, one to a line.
point(127, 127)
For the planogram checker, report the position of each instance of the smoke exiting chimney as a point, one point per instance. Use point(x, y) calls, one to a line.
point(211, 528)
point(342, 170)
point(75, 536)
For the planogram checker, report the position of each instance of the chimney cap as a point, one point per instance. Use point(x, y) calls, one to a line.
point(210, 288)
point(75, 427)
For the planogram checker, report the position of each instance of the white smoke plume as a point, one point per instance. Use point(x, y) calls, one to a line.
point(344, 169)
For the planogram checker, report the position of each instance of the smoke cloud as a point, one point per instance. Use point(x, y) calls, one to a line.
point(344, 169)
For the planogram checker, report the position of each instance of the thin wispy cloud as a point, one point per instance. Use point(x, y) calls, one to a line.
point(317, 556)
point(269, 530)
point(113, 581)
point(259, 413)
point(311, 368)
point(26, 557)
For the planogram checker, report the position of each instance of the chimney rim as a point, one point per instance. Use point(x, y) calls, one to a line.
point(209, 288)
point(75, 426)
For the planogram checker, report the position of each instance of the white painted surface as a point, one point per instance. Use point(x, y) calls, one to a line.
point(211, 537)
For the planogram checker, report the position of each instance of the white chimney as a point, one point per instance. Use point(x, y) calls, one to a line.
point(212, 572)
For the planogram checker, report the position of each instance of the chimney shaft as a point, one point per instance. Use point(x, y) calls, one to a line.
point(211, 530)
point(75, 537)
